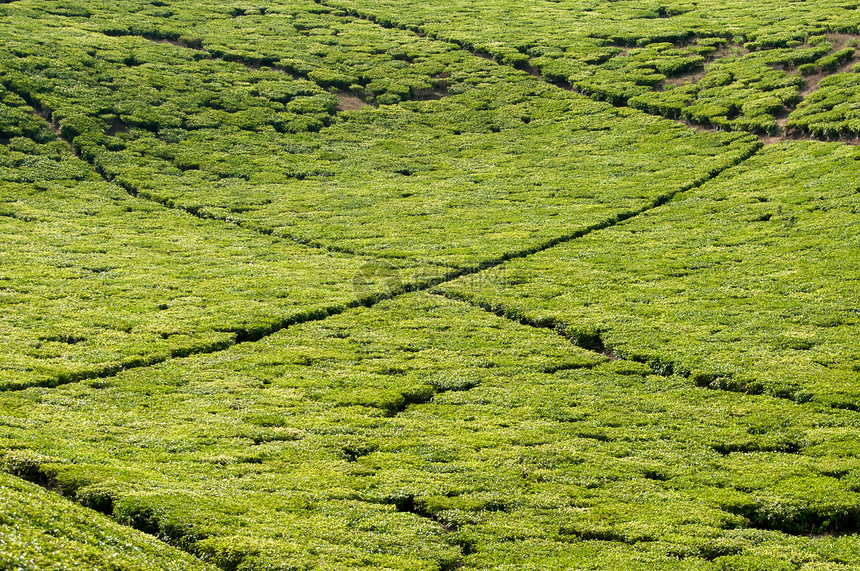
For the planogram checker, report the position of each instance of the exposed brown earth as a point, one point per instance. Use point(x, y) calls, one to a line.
point(350, 102)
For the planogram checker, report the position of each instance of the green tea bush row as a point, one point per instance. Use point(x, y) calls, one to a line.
point(742, 93)
point(333, 50)
point(288, 450)
point(94, 280)
point(832, 110)
point(39, 530)
point(226, 147)
point(746, 283)
point(719, 430)
point(628, 55)
point(407, 159)
point(507, 25)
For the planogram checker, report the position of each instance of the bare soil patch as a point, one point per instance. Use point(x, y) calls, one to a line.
point(350, 102)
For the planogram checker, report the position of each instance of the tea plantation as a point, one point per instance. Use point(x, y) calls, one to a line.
point(362, 284)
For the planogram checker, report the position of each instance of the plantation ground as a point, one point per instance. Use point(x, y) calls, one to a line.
point(429, 285)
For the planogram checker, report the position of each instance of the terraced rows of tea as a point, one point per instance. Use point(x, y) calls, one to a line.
point(363, 284)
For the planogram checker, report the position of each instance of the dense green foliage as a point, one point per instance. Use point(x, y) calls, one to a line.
point(434, 162)
point(731, 65)
point(832, 110)
point(94, 280)
point(42, 532)
point(426, 434)
point(750, 282)
point(736, 92)
point(320, 285)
